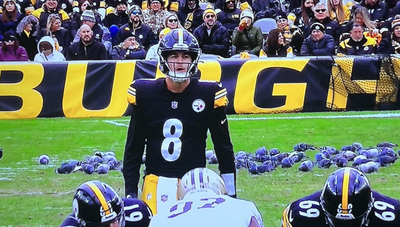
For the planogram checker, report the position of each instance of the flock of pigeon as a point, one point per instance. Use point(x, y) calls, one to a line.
point(100, 162)
point(367, 160)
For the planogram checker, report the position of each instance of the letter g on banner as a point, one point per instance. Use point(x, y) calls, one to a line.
point(245, 92)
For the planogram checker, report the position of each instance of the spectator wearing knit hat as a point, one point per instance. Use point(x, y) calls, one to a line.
point(87, 48)
point(143, 34)
point(80, 7)
point(212, 36)
point(128, 49)
point(293, 35)
point(100, 33)
point(331, 27)
point(390, 43)
point(172, 21)
point(65, 5)
point(318, 43)
point(357, 43)
point(10, 17)
point(10, 49)
point(120, 15)
point(246, 37)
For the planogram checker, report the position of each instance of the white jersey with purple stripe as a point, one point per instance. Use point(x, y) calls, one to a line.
point(205, 208)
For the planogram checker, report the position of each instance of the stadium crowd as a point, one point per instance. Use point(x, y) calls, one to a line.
point(59, 30)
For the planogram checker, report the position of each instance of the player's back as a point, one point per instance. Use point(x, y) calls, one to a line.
point(208, 209)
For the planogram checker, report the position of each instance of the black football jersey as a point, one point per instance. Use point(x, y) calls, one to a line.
point(172, 127)
point(307, 212)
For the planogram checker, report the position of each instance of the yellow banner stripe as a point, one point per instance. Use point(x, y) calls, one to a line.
point(100, 196)
point(345, 190)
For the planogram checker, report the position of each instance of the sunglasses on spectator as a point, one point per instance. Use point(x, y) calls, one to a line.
point(135, 12)
point(210, 16)
point(172, 20)
point(320, 10)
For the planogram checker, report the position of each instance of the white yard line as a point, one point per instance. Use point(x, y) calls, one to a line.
point(243, 118)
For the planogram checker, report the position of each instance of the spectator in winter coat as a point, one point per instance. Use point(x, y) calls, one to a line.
point(27, 35)
point(50, 7)
point(358, 43)
point(246, 37)
point(119, 17)
point(318, 43)
point(10, 17)
point(100, 33)
point(229, 16)
point(143, 34)
point(60, 35)
point(47, 51)
point(212, 36)
point(10, 50)
point(191, 15)
point(129, 49)
point(87, 48)
point(152, 53)
point(276, 45)
point(331, 27)
point(155, 15)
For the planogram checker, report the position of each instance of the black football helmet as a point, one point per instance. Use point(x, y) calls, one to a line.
point(179, 40)
point(97, 204)
point(137, 213)
point(346, 198)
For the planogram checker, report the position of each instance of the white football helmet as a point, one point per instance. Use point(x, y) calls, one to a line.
point(201, 179)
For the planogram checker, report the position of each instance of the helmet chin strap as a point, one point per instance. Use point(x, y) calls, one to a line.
point(178, 77)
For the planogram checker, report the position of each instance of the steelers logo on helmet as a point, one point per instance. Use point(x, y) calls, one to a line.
point(346, 198)
point(96, 203)
point(179, 40)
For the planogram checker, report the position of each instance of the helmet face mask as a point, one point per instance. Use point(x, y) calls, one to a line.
point(97, 204)
point(346, 198)
point(178, 40)
point(201, 179)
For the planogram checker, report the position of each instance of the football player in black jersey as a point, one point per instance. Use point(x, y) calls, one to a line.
point(170, 120)
point(345, 201)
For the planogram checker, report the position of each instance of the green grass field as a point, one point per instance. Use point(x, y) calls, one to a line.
point(34, 195)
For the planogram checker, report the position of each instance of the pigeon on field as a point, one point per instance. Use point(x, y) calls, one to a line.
point(261, 151)
point(274, 151)
point(319, 156)
point(356, 146)
point(373, 153)
point(269, 165)
point(252, 168)
point(95, 158)
point(303, 147)
point(261, 168)
point(369, 167)
point(88, 169)
point(287, 162)
point(306, 166)
point(387, 151)
point(98, 153)
point(347, 148)
point(263, 158)
point(43, 159)
point(109, 153)
point(324, 163)
point(340, 161)
point(349, 155)
point(360, 159)
point(387, 144)
point(386, 160)
point(67, 167)
point(298, 156)
point(329, 149)
point(103, 169)
point(1, 153)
